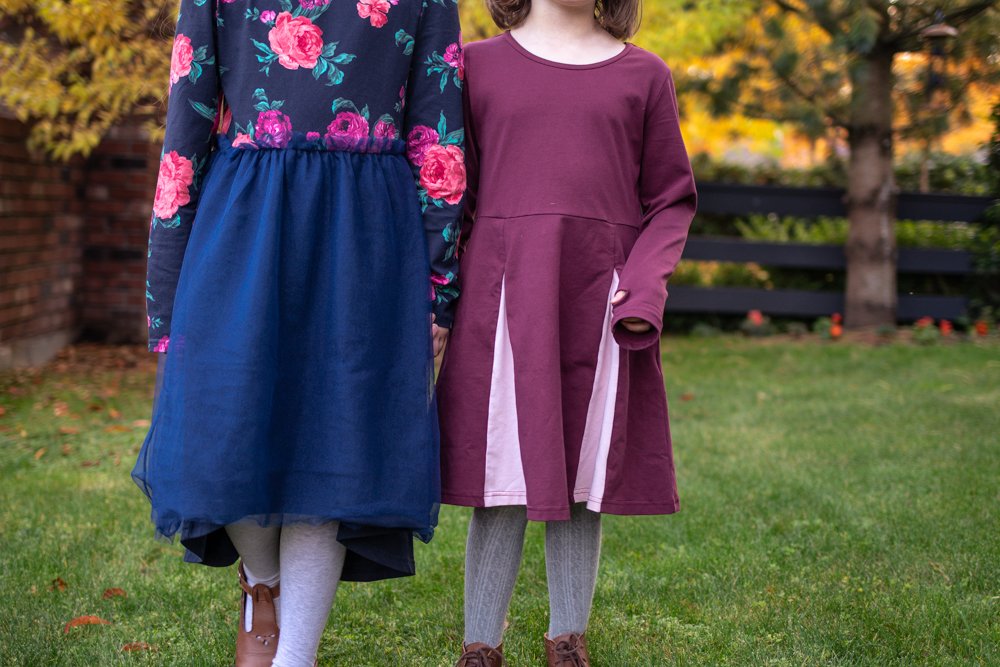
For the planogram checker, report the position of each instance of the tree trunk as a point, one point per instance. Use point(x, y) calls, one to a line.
point(871, 196)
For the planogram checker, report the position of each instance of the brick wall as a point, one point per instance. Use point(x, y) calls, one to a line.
point(72, 244)
point(118, 194)
point(41, 251)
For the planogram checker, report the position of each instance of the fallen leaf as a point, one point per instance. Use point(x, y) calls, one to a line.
point(114, 593)
point(89, 464)
point(60, 409)
point(3, 411)
point(114, 414)
point(23, 433)
point(40, 453)
point(66, 449)
point(141, 423)
point(117, 428)
point(95, 407)
point(69, 430)
point(84, 620)
point(57, 584)
point(138, 646)
point(687, 397)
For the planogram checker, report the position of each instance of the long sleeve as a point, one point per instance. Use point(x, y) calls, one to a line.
point(471, 167)
point(669, 200)
point(191, 124)
point(435, 140)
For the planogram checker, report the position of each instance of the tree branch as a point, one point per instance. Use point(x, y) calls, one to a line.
point(956, 16)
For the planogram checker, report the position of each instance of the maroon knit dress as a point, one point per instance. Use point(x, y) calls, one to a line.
point(579, 187)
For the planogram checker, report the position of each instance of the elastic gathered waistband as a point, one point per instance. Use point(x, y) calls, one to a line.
point(313, 141)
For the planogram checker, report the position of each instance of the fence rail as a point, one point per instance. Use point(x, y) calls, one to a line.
point(729, 199)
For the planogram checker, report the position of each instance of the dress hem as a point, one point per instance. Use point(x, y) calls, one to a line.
point(535, 513)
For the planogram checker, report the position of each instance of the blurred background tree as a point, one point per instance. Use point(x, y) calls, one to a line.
point(871, 71)
point(75, 68)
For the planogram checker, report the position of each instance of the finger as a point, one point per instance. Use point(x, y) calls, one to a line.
point(618, 297)
point(636, 326)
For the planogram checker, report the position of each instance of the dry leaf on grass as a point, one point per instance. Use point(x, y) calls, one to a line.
point(66, 450)
point(141, 423)
point(114, 593)
point(68, 430)
point(687, 397)
point(58, 584)
point(117, 428)
point(138, 646)
point(89, 464)
point(114, 414)
point(84, 620)
point(40, 453)
point(3, 411)
point(60, 409)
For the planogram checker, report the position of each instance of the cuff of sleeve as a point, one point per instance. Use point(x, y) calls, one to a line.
point(159, 342)
point(444, 314)
point(629, 340)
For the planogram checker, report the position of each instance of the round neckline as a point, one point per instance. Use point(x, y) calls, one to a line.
point(552, 63)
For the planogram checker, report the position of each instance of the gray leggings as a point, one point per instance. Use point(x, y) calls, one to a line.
point(493, 557)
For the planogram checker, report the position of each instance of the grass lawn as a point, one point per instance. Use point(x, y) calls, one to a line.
point(841, 506)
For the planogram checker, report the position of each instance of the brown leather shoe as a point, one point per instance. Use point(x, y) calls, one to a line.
point(257, 647)
point(481, 655)
point(569, 650)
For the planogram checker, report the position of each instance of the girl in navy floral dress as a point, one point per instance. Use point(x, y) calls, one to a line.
point(302, 242)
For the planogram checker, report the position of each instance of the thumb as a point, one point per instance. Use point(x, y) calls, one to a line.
point(618, 297)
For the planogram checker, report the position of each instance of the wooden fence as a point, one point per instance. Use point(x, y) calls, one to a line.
point(727, 199)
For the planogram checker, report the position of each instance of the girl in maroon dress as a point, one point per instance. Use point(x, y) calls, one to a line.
point(551, 394)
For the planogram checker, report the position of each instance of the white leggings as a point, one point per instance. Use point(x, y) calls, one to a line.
point(308, 560)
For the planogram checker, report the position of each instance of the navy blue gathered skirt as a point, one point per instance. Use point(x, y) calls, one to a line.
point(299, 381)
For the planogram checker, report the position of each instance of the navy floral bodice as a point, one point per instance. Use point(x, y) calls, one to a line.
point(369, 76)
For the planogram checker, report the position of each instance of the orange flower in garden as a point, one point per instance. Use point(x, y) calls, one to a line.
point(756, 317)
point(836, 331)
point(982, 328)
point(946, 327)
point(836, 318)
point(924, 322)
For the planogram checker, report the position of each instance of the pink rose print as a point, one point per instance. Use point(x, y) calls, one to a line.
point(297, 41)
point(181, 58)
point(384, 130)
point(175, 177)
point(312, 136)
point(162, 344)
point(443, 173)
point(267, 16)
point(438, 279)
point(243, 140)
point(453, 56)
point(347, 127)
point(418, 141)
point(313, 4)
point(273, 129)
point(375, 11)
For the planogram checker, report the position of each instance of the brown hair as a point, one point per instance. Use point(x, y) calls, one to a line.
point(620, 18)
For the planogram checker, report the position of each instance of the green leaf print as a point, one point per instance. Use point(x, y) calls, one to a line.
point(266, 57)
point(405, 40)
point(442, 128)
point(203, 110)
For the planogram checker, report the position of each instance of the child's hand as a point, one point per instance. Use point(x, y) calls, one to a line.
point(633, 324)
point(439, 335)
